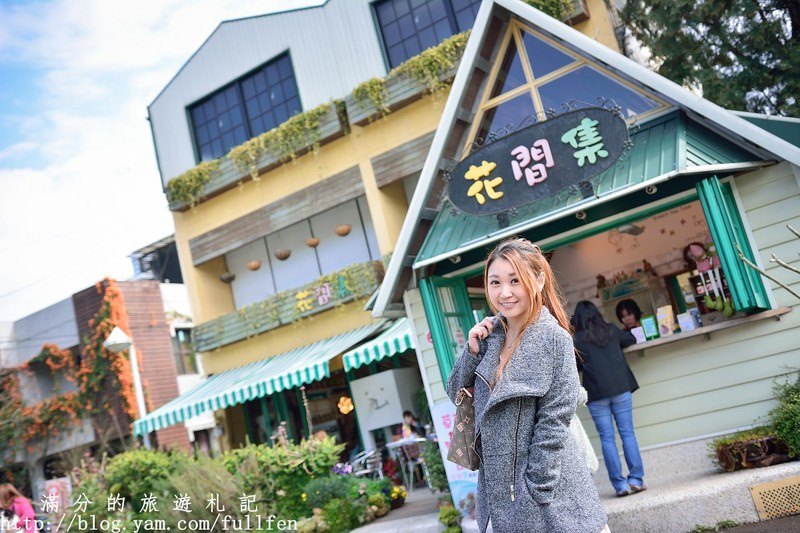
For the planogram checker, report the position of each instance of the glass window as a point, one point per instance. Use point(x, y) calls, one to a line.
point(507, 117)
point(585, 85)
point(544, 58)
point(410, 26)
point(511, 74)
point(248, 107)
point(217, 130)
point(183, 351)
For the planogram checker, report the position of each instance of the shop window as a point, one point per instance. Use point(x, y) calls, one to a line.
point(410, 26)
point(511, 75)
point(536, 75)
point(585, 84)
point(244, 109)
point(727, 229)
point(544, 58)
point(505, 118)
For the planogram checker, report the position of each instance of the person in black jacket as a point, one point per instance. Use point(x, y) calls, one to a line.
point(610, 383)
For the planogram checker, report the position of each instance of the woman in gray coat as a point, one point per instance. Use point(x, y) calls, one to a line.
point(522, 364)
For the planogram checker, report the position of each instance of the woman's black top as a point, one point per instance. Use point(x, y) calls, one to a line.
point(605, 370)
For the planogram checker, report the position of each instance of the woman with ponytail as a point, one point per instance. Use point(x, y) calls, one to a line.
point(521, 362)
point(610, 384)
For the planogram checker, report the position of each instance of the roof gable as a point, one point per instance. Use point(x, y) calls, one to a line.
point(458, 115)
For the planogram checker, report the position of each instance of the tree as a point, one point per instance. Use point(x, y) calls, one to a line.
point(745, 54)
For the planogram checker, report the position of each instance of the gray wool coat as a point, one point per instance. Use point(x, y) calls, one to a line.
point(532, 477)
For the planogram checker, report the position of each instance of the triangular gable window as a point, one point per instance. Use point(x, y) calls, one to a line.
point(537, 74)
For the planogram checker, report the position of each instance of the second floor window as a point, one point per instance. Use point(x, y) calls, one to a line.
point(248, 107)
point(410, 26)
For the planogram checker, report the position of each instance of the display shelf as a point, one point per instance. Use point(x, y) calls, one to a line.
point(707, 330)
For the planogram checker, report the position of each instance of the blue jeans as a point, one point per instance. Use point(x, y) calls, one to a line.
point(621, 408)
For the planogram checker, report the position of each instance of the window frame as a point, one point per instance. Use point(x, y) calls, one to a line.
point(237, 82)
point(516, 31)
point(450, 15)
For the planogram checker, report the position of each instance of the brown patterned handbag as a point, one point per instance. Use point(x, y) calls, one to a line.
point(462, 444)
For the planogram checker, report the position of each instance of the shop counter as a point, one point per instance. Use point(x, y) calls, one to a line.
point(707, 330)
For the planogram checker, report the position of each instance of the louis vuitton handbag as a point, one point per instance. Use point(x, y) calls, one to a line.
point(462, 445)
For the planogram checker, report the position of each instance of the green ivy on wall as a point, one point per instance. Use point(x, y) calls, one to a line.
point(188, 186)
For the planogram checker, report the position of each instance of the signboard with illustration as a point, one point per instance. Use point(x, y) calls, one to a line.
point(538, 161)
point(463, 482)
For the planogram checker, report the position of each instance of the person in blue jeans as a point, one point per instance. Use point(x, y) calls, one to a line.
point(610, 383)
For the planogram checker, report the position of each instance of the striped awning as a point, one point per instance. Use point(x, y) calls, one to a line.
point(396, 339)
point(238, 385)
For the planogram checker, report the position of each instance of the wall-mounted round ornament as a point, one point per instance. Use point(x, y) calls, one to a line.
point(255, 264)
point(227, 277)
point(342, 229)
point(313, 242)
point(283, 254)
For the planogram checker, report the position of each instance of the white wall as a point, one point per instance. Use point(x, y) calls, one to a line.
point(55, 324)
point(305, 264)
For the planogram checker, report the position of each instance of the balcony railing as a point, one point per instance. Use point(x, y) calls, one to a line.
point(356, 281)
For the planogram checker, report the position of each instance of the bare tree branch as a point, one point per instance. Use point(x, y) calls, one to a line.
point(784, 264)
point(760, 271)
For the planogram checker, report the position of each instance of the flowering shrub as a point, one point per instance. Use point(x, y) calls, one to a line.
point(398, 493)
point(321, 490)
point(281, 473)
point(342, 469)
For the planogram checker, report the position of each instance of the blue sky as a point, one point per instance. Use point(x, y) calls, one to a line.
point(79, 187)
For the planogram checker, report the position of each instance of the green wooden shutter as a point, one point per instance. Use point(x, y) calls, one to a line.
point(727, 230)
point(449, 316)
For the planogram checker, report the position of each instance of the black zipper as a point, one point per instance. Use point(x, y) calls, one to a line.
point(516, 432)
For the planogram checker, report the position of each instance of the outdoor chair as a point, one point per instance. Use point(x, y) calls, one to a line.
point(368, 463)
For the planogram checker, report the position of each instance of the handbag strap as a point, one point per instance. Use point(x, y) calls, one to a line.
point(461, 393)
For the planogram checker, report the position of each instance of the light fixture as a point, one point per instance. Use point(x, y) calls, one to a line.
point(651, 189)
point(345, 405)
point(456, 259)
point(630, 229)
point(580, 215)
point(116, 342)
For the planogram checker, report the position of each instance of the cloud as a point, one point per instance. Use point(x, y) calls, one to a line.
point(88, 192)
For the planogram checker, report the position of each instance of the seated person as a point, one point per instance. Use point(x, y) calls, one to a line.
point(411, 426)
point(629, 313)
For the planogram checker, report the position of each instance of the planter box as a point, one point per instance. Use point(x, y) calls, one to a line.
point(288, 306)
point(766, 451)
point(401, 90)
point(228, 175)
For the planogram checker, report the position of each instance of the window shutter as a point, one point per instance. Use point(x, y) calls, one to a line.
point(449, 316)
point(727, 230)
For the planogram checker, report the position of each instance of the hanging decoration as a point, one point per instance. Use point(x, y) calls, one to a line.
point(227, 277)
point(342, 230)
point(255, 264)
point(313, 242)
point(283, 254)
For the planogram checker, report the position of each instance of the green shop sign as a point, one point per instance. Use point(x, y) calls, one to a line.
point(538, 161)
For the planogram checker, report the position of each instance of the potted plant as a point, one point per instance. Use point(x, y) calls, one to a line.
point(752, 448)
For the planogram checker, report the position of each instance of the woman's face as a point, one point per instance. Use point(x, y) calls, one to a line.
point(628, 319)
point(505, 291)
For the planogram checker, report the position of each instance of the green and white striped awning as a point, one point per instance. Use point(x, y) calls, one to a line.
point(396, 339)
point(261, 378)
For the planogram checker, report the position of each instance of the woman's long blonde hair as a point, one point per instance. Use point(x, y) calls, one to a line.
point(528, 262)
point(7, 494)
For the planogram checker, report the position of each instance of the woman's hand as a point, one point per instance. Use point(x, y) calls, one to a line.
point(479, 331)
